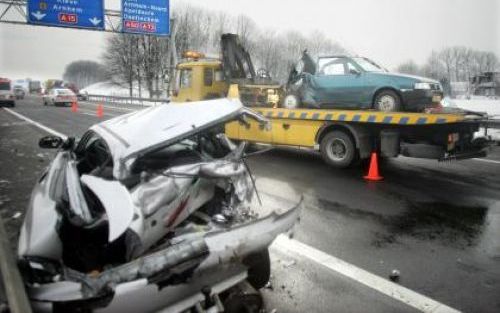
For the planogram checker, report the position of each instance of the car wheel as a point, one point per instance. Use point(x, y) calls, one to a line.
point(290, 101)
point(338, 149)
point(259, 268)
point(387, 101)
point(12, 104)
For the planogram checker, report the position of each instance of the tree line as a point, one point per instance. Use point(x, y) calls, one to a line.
point(83, 73)
point(453, 64)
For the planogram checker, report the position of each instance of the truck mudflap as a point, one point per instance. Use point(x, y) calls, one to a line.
point(167, 277)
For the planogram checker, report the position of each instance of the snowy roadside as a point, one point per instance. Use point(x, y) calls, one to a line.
point(109, 89)
point(478, 104)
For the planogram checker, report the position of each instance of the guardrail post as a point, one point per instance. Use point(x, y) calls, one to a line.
point(14, 286)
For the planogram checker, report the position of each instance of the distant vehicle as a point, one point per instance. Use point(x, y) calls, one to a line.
point(19, 93)
point(35, 86)
point(341, 82)
point(59, 97)
point(50, 84)
point(83, 96)
point(6, 94)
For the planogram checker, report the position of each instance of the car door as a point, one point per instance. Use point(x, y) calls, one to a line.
point(340, 84)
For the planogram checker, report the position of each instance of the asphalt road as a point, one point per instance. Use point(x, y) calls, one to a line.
point(437, 223)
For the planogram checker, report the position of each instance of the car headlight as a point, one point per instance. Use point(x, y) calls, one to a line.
point(425, 86)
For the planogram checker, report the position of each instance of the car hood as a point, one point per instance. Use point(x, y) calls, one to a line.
point(414, 77)
point(135, 134)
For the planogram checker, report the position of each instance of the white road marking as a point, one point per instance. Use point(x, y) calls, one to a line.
point(487, 161)
point(41, 126)
point(398, 292)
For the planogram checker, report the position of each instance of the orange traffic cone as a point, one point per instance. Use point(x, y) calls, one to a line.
point(373, 174)
point(100, 111)
point(74, 107)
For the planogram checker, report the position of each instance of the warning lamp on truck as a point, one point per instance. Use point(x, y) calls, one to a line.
point(193, 55)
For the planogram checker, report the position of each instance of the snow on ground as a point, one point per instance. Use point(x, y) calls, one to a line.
point(479, 104)
point(112, 89)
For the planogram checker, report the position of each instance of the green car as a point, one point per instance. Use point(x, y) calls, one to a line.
point(341, 82)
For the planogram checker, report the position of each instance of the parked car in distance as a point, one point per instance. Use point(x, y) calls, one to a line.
point(7, 96)
point(82, 96)
point(19, 93)
point(59, 97)
point(357, 83)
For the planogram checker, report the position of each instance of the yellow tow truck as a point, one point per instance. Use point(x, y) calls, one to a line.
point(342, 136)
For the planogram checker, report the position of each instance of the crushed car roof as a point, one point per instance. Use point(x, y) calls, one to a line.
point(134, 134)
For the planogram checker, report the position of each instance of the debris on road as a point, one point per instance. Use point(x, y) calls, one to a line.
point(269, 285)
point(288, 263)
point(16, 215)
point(394, 276)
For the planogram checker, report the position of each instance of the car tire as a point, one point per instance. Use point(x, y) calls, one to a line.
point(387, 101)
point(259, 268)
point(12, 104)
point(338, 149)
point(291, 100)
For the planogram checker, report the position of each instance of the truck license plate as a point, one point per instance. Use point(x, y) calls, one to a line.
point(436, 98)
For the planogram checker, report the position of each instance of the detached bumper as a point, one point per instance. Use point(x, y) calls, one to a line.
point(167, 277)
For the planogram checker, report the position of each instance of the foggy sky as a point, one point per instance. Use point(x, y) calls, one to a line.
point(387, 31)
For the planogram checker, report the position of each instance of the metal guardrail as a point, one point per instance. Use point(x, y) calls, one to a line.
point(491, 123)
point(14, 287)
point(124, 100)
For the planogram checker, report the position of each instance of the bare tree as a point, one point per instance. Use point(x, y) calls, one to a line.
point(408, 67)
point(84, 73)
point(119, 60)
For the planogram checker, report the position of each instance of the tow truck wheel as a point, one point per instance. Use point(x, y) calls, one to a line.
point(338, 149)
point(290, 101)
point(259, 268)
point(387, 101)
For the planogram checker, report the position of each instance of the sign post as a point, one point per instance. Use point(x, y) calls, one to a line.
point(146, 17)
point(67, 13)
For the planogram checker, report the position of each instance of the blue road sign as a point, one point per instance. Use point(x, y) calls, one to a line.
point(67, 13)
point(146, 17)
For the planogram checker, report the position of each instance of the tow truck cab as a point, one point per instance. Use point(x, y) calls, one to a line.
point(7, 96)
point(198, 78)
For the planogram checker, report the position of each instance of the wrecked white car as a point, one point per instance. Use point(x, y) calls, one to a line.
point(149, 211)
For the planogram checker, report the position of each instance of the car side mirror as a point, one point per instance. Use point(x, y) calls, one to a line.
point(354, 71)
point(50, 142)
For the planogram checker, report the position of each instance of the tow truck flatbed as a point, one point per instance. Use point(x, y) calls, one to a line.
point(345, 136)
point(376, 117)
